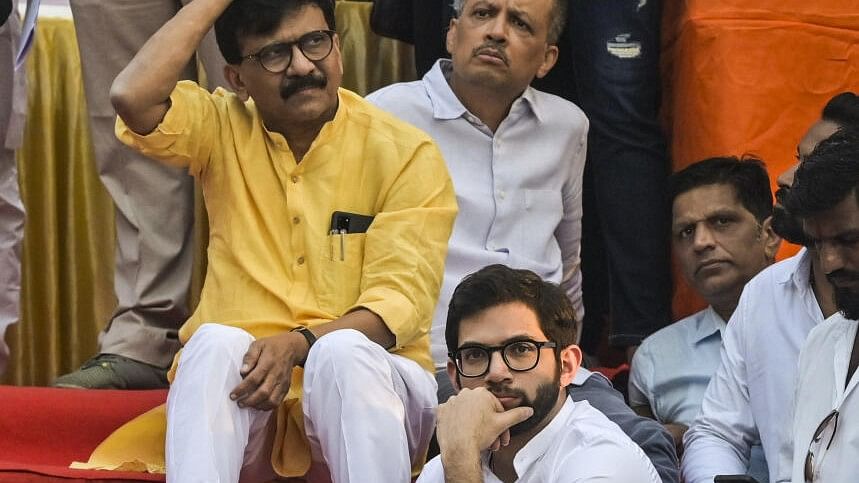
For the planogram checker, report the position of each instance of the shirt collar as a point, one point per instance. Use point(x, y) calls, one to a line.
point(534, 450)
point(329, 129)
point(581, 376)
point(707, 324)
point(446, 105)
point(801, 273)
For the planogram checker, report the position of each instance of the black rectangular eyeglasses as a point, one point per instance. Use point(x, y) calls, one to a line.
point(519, 355)
point(277, 57)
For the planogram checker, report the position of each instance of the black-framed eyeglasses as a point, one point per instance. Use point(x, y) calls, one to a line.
point(520, 355)
point(830, 419)
point(277, 57)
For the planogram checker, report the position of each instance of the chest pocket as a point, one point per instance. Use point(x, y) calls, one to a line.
point(342, 261)
point(542, 211)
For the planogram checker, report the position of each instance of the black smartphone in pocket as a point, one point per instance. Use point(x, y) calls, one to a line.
point(345, 222)
point(734, 479)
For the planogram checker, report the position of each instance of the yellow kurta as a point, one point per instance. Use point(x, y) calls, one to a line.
point(272, 264)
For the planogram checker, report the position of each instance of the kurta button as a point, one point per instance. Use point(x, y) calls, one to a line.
point(300, 260)
point(296, 220)
point(294, 179)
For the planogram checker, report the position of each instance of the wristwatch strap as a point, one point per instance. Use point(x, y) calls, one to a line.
point(309, 336)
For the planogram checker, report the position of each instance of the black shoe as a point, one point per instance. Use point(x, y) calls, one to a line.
point(111, 371)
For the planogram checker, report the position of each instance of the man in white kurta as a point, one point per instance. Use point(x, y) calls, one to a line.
point(825, 196)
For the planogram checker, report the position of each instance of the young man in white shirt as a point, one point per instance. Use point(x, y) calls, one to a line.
point(825, 196)
point(722, 237)
point(512, 354)
point(750, 396)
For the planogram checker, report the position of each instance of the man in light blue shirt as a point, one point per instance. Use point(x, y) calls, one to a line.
point(722, 237)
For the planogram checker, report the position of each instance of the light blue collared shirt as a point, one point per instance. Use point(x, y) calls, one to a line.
point(519, 189)
point(672, 368)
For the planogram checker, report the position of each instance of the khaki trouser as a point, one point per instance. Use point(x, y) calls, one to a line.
point(154, 203)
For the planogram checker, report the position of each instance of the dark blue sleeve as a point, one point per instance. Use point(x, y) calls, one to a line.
point(653, 439)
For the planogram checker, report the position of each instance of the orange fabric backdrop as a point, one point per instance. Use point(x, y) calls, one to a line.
point(749, 78)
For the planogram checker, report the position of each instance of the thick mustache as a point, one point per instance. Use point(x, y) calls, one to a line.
point(295, 84)
point(501, 390)
point(491, 48)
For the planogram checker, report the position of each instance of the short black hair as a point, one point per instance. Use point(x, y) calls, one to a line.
point(843, 109)
point(259, 17)
point(498, 284)
point(748, 176)
point(827, 176)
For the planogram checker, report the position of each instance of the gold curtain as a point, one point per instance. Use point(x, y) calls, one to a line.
point(67, 263)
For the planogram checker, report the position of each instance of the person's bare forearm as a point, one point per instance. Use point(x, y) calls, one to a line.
point(461, 466)
point(363, 321)
point(140, 93)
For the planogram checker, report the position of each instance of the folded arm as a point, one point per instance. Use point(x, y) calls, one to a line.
point(141, 92)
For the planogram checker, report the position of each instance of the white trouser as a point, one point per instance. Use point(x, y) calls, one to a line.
point(368, 413)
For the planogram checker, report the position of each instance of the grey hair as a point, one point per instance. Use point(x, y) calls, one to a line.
point(556, 25)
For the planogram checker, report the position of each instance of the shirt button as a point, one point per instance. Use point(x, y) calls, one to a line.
point(300, 260)
point(296, 220)
point(294, 179)
point(502, 194)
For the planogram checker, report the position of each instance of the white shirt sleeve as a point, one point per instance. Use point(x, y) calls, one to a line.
point(569, 231)
point(433, 472)
point(720, 439)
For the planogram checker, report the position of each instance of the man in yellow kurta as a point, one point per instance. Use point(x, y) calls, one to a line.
point(329, 222)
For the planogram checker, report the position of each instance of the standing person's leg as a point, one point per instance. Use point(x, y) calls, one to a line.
point(369, 414)
point(154, 208)
point(431, 18)
point(13, 99)
point(615, 47)
point(213, 62)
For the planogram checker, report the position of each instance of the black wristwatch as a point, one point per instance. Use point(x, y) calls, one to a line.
point(309, 336)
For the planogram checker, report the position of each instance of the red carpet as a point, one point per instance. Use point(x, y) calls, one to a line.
point(42, 430)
